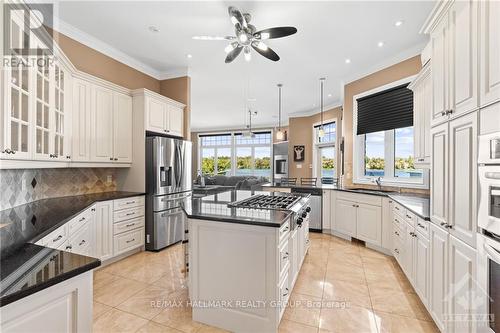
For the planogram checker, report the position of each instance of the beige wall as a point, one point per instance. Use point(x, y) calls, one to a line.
point(179, 89)
point(387, 75)
point(301, 133)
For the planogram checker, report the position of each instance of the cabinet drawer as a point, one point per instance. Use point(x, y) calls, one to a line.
point(127, 214)
point(400, 210)
point(80, 220)
point(284, 231)
point(56, 238)
point(410, 218)
point(397, 250)
point(128, 241)
point(360, 198)
point(397, 234)
point(397, 220)
point(81, 241)
point(128, 203)
point(284, 293)
point(422, 227)
point(284, 258)
point(125, 226)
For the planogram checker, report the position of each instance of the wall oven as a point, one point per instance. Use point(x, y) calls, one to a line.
point(489, 283)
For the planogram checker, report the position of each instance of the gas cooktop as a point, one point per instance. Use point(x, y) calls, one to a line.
point(267, 202)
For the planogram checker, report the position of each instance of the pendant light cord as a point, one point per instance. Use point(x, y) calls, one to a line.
point(321, 100)
point(279, 106)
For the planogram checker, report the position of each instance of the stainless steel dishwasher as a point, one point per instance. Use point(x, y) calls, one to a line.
point(316, 203)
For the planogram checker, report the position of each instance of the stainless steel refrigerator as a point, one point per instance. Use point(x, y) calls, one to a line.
point(168, 183)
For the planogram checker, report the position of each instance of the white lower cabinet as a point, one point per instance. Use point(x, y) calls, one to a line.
point(438, 239)
point(104, 230)
point(345, 217)
point(421, 267)
point(369, 223)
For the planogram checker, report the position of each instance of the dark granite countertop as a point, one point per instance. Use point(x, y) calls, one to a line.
point(418, 204)
point(33, 268)
point(21, 262)
point(215, 208)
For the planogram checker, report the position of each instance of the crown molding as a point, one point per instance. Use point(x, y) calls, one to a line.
point(104, 48)
point(203, 130)
point(174, 73)
point(312, 112)
point(439, 10)
point(407, 54)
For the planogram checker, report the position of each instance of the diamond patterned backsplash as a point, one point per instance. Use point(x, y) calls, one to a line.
point(19, 187)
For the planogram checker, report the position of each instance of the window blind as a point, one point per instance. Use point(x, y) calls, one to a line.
point(211, 135)
point(324, 125)
point(385, 110)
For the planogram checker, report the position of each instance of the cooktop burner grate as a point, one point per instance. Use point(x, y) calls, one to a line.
point(267, 202)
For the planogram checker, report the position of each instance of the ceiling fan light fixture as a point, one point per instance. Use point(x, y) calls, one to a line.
point(248, 55)
point(242, 37)
point(262, 46)
point(234, 20)
point(264, 35)
point(230, 47)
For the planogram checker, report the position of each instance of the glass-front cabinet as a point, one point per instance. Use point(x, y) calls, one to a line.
point(36, 116)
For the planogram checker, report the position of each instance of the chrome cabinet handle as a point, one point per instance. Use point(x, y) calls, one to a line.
point(133, 239)
point(68, 157)
point(130, 202)
point(396, 250)
point(285, 256)
point(111, 158)
point(129, 214)
point(130, 224)
point(286, 293)
point(397, 233)
point(82, 242)
point(421, 226)
point(82, 219)
point(396, 207)
point(57, 238)
point(69, 247)
point(443, 113)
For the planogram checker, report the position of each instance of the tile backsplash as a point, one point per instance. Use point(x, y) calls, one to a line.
point(22, 186)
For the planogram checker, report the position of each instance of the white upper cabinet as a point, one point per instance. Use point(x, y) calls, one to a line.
point(156, 115)
point(422, 107)
point(463, 60)
point(101, 149)
point(122, 128)
point(463, 178)
point(161, 114)
point(439, 174)
point(439, 72)
point(81, 121)
point(489, 52)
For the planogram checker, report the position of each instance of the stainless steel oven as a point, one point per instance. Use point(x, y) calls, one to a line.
point(489, 148)
point(489, 198)
point(488, 293)
point(280, 166)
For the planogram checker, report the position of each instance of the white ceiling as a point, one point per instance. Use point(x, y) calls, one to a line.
point(328, 33)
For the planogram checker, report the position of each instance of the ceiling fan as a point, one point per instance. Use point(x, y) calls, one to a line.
point(248, 37)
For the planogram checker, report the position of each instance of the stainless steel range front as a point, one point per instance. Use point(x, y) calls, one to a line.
point(168, 183)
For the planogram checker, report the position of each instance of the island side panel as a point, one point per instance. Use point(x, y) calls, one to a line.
point(234, 262)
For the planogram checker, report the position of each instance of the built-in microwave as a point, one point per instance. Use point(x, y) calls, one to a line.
point(489, 198)
point(489, 149)
point(280, 166)
point(488, 291)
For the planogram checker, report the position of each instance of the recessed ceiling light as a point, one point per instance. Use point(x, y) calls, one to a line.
point(380, 44)
point(398, 23)
point(153, 29)
point(329, 95)
point(348, 61)
point(189, 56)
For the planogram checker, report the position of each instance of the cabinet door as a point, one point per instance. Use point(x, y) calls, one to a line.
point(345, 216)
point(81, 121)
point(408, 252)
point(82, 240)
point(438, 286)
point(102, 125)
point(426, 109)
point(421, 274)
point(62, 111)
point(104, 230)
point(175, 124)
point(369, 224)
point(490, 52)
point(156, 115)
point(439, 72)
point(122, 128)
point(17, 116)
point(463, 46)
point(462, 286)
point(326, 210)
point(43, 127)
point(463, 178)
point(417, 122)
point(439, 174)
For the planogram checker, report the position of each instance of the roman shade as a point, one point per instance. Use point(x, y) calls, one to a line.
point(385, 110)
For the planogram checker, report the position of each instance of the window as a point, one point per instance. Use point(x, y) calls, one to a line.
point(404, 159)
point(374, 154)
point(324, 150)
point(236, 154)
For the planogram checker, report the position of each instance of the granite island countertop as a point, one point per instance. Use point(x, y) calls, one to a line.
point(215, 208)
point(416, 203)
point(22, 262)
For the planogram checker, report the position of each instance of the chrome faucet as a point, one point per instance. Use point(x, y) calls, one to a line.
point(379, 182)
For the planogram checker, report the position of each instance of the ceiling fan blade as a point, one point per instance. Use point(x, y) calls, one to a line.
point(276, 32)
point(267, 52)
point(233, 54)
point(238, 17)
point(213, 37)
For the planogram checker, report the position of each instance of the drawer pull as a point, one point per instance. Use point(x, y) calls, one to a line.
point(397, 233)
point(396, 220)
point(82, 242)
point(408, 216)
point(396, 250)
point(130, 202)
point(421, 226)
point(286, 292)
point(130, 241)
point(285, 256)
point(129, 214)
point(57, 238)
point(286, 229)
point(130, 224)
point(82, 219)
point(69, 247)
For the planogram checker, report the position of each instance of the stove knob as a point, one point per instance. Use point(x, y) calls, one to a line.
point(300, 220)
point(304, 214)
point(308, 209)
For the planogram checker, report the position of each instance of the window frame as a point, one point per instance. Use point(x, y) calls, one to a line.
point(233, 147)
point(316, 167)
point(358, 155)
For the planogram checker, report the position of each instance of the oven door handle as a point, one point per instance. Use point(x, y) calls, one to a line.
point(492, 252)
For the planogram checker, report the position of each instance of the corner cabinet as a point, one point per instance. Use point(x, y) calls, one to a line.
point(161, 114)
point(422, 106)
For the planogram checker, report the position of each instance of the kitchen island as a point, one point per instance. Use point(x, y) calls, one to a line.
point(243, 262)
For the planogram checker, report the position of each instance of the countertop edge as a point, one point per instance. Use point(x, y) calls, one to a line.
point(44, 285)
point(238, 221)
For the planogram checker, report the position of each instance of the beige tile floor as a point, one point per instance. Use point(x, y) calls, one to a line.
point(342, 287)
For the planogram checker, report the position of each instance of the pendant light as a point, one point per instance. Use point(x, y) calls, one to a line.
point(280, 135)
point(321, 132)
point(249, 133)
